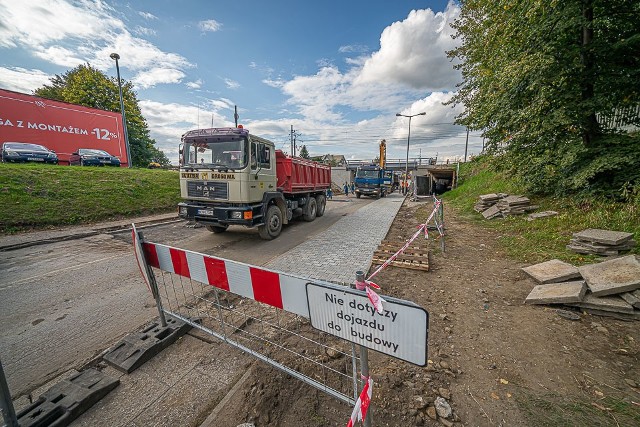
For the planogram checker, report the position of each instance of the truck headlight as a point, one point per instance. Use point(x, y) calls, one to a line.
point(182, 210)
point(236, 215)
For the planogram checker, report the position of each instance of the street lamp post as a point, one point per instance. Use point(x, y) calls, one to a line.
point(124, 117)
point(406, 172)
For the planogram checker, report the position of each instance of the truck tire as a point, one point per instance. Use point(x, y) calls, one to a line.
point(311, 210)
point(272, 225)
point(358, 195)
point(321, 203)
point(217, 228)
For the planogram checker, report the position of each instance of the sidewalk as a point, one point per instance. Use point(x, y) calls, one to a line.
point(22, 240)
point(188, 383)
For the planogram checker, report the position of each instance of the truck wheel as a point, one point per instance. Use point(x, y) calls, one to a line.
point(321, 203)
point(358, 195)
point(311, 210)
point(272, 224)
point(217, 228)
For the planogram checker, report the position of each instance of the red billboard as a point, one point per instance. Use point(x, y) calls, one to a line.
point(59, 126)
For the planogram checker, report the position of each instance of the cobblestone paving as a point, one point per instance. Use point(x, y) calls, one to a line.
point(344, 248)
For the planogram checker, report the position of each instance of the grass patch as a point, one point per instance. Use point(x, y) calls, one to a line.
point(37, 196)
point(546, 238)
point(552, 410)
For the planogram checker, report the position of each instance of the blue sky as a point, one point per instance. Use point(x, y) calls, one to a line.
point(337, 71)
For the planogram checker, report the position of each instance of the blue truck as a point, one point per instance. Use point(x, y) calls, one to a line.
point(370, 181)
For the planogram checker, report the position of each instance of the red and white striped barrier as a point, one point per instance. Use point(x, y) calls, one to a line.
point(362, 404)
point(270, 287)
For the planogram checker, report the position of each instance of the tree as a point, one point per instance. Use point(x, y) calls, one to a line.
point(304, 153)
point(543, 78)
point(88, 86)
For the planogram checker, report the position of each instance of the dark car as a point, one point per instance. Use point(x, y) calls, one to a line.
point(26, 152)
point(93, 157)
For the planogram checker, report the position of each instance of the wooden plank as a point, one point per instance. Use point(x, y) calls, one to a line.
point(416, 252)
point(404, 264)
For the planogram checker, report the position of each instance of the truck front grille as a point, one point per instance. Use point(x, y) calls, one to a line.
point(208, 189)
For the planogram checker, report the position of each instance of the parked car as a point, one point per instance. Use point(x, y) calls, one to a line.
point(27, 152)
point(93, 157)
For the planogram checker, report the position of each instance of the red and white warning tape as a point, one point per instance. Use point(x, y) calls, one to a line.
point(362, 404)
point(375, 299)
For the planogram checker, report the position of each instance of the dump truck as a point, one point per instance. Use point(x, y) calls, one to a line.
point(370, 181)
point(229, 176)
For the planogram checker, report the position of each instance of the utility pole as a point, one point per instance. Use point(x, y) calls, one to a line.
point(466, 146)
point(292, 147)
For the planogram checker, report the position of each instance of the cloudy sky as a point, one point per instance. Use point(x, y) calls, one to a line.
point(337, 71)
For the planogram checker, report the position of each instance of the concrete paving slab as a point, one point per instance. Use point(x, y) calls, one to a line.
point(631, 298)
point(627, 317)
point(492, 212)
point(538, 215)
point(489, 197)
point(552, 271)
point(190, 401)
point(607, 237)
point(601, 247)
point(169, 367)
point(137, 391)
point(613, 276)
point(557, 293)
point(614, 304)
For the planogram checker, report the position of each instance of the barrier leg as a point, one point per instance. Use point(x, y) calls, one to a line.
point(6, 404)
point(152, 282)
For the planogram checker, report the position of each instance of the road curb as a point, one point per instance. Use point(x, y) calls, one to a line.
point(91, 232)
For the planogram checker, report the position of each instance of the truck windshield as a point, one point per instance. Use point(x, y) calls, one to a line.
point(367, 174)
point(229, 154)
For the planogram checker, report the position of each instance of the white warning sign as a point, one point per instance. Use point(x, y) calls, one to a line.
point(399, 331)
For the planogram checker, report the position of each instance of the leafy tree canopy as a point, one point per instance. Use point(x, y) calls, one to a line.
point(88, 86)
point(304, 153)
point(553, 84)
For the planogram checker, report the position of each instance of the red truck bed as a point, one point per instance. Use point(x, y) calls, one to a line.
point(297, 175)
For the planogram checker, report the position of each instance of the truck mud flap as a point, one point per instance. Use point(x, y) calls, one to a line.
point(136, 348)
point(67, 400)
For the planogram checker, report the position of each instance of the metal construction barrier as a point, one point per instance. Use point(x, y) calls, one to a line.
point(306, 328)
point(261, 312)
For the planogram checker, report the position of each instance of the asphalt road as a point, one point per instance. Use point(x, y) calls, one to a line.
point(62, 304)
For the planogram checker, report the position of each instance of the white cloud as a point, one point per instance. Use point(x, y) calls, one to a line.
point(252, 64)
point(353, 48)
point(147, 15)
point(412, 52)
point(194, 85)
point(22, 80)
point(231, 84)
point(411, 59)
point(144, 31)
point(210, 25)
point(34, 25)
point(60, 56)
point(168, 122)
point(155, 76)
point(68, 34)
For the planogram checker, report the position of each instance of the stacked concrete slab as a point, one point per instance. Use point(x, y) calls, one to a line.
point(495, 205)
point(485, 201)
point(601, 242)
point(609, 288)
point(515, 205)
